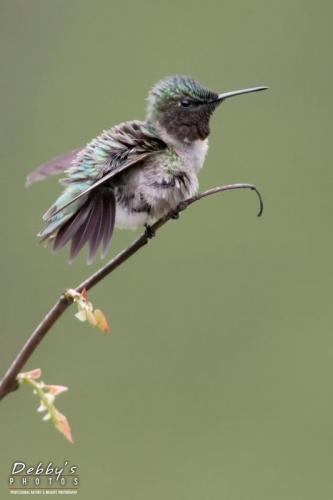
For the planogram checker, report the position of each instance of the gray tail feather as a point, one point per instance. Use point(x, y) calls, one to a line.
point(93, 224)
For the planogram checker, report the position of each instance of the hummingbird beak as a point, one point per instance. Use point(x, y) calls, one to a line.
point(221, 97)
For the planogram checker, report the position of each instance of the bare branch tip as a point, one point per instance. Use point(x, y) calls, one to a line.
point(261, 203)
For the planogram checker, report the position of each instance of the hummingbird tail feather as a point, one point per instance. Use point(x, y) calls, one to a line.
point(92, 224)
point(70, 227)
point(104, 227)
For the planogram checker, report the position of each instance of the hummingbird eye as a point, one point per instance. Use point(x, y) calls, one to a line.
point(185, 103)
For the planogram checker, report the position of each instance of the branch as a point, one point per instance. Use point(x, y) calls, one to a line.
point(9, 383)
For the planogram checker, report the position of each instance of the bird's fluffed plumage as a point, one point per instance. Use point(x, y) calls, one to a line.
point(86, 210)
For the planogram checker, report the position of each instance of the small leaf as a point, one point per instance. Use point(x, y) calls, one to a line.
point(56, 389)
point(63, 426)
point(33, 374)
point(91, 318)
point(41, 408)
point(101, 321)
point(81, 315)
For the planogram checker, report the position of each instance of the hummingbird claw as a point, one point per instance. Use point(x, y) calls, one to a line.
point(150, 232)
point(174, 214)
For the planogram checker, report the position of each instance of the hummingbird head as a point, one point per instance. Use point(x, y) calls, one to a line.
point(183, 108)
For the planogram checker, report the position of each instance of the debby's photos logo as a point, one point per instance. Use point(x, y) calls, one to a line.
point(43, 479)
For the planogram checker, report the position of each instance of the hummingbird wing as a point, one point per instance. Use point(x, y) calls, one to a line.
point(50, 213)
point(52, 167)
point(85, 212)
point(93, 222)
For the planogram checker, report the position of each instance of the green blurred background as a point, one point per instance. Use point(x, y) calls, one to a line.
point(217, 378)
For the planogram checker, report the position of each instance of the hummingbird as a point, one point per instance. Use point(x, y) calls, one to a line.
point(134, 173)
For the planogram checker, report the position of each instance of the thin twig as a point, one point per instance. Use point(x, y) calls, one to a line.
point(8, 383)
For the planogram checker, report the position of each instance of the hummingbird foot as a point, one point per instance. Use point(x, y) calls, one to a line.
point(150, 232)
point(174, 215)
